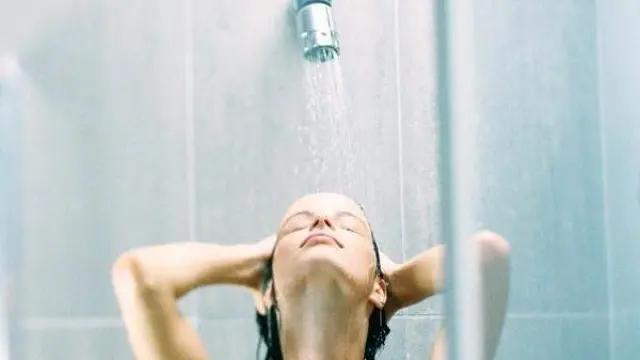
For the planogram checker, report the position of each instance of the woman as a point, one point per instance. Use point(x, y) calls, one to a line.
point(322, 290)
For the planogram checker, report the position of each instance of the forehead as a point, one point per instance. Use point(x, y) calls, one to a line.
point(324, 203)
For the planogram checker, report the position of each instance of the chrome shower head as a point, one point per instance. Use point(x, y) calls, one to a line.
point(317, 30)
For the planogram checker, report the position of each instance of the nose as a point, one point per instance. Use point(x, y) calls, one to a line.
point(321, 222)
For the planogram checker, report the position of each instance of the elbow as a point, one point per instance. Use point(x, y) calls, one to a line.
point(127, 275)
point(125, 267)
point(493, 247)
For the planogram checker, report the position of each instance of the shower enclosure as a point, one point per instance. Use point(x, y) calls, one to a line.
point(140, 122)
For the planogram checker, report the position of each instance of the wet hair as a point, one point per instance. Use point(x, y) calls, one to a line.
point(268, 323)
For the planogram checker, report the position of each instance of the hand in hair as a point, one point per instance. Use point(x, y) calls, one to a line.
point(423, 276)
point(148, 281)
point(413, 280)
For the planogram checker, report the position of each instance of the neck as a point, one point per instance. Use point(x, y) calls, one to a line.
point(321, 322)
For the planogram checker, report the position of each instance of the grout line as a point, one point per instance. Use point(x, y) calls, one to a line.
point(419, 316)
point(71, 323)
point(606, 235)
point(627, 312)
point(190, 132)
point(551, 315)
point(189, 126)
point(400, 138)
point(52, 323)
point(559, 315)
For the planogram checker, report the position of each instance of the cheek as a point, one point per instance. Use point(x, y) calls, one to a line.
point(361, 260)
point(283, 255)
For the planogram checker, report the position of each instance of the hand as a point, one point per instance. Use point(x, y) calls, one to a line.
point(263, 249)
point(389, 270)
point(265, 246)
point(388, 267)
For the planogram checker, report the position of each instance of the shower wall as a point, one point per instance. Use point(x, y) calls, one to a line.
point(147, 123)
point(620, 125)
point(537, 176)
point(103, 157)
point(556, 168)
point(154, 122)
point(251, 160)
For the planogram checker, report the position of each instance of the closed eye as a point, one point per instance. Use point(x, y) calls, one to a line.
point(348, 229)
point(297, 227)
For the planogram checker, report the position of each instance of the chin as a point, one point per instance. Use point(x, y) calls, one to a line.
point(321, 260)
point(327, 268)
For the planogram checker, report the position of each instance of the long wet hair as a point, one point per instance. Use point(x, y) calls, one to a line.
point(268, 323)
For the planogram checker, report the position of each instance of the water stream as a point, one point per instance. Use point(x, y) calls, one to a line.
point(328, 131)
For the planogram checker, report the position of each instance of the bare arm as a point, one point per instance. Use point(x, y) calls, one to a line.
point(149, 280)
point(494, 276)
point(439, 350)
point(414, 280)
point(423, 276)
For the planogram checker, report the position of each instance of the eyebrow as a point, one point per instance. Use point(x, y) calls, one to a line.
point(337, 214)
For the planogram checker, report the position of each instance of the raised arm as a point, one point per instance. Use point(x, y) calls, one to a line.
point(149, 280)
point(414, 280)
point(423, 276)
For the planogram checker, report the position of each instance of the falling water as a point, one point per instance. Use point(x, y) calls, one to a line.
point(328, 131)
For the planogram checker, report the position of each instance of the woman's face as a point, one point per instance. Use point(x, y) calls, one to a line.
point(325, 235)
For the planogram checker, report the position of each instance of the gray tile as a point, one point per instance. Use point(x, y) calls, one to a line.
point(369, 68)
point(539, 178)
point(620, 129)
point(394, 347)
point(76, 344)
point(224, 302)
point(430, 306)
point(421, 336)
point(617, 24)
point(21, 26)
point(555, 339)
point(531, 339)
point(585, 339)
point(625, 334)
point(104, 148)
point(230, 338)
point(253, 134)
point(248, 98)
point(417, 57)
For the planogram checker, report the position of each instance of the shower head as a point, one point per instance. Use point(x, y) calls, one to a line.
point(316, 30)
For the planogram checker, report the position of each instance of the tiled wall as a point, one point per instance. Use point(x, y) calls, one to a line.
point(158, 122)
point(251, 163)
point(142, 115)
point(540, 176)
point(620, 123)
point(104, 144)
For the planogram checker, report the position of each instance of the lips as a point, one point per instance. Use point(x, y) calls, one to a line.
point(321, 238)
